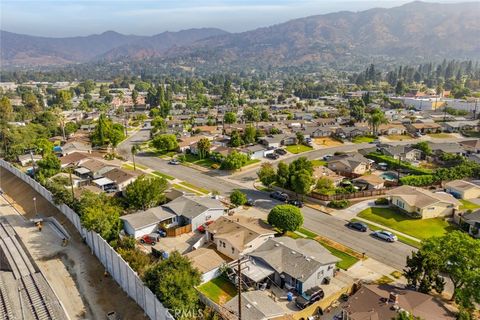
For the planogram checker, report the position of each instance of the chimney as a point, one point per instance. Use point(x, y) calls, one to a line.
point(393, 298)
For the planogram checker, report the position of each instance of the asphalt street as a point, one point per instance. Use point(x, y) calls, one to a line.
point(392, 254)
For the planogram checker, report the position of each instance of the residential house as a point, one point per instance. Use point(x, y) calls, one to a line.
point(423, 127)
point(278, 140)
point(462, 189)
point(470, 222)
point(392, 129)
point(458, 126)
point(256, 305)
point(402, 152)
point(351, 132)
point(369, 182)
point(324, 172)
point(470, 146)
point(141, 223)
point(447, 147)
point(293, 264)
point(185, 143)
point(353, 164)
point(26, 159)
point(423, 203)
point(385, 301)
point(75, 146)
point(195, 210)
point(256, 151)
point(238, 235)
point(93, 169)
point(122, 178)
point(74, 159)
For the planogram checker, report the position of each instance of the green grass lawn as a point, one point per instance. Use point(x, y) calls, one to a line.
point(440, 135)
point(219, 290)
point(298, 148)
point(346, 260)
point(319, 163)
point(194, 187)
point(163, 175)
point(169, 154)
point(472, 134)
point(128, 166)
point(418, 228)
point(251, 161)
point(206, 162)
point(183, 188)
point(308, 233)
point(468, 205)
point(410, 242)
point(363, 139)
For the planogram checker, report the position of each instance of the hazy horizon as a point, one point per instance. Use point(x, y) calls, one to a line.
point(64, 18)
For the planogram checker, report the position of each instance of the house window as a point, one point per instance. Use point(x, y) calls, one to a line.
point(320, 274)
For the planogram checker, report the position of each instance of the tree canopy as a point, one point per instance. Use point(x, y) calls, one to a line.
point(285, 217)
point(238, 198)
point(146, 192)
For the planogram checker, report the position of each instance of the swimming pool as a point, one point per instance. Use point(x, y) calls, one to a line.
point(389, 176)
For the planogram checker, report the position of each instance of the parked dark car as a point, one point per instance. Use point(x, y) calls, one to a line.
point(360, 226)
point(279, 196)
point(296, 203)
point(151, 238)
point(281, 152)
point(250, 202)
point(272, 156)
point(174, 162)
point(309, 297)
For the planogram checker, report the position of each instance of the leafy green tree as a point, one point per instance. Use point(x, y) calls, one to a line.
point(146, 192)
point(252, 114)
point(357, 110)
point(230, 117)
point(285, 217)
point(424, 147)
point(134, 97)
point(457, 255)
point(235, 139)
point(238, 198)
point(100, 215)
point(48, 166)
point(64, 99)
point(158, 125)
point(165, 142)
point(203, 147)
point(249, 135)
point(265, 115)
point(300, 137)
point(406, 316)
point(301, 182)
point(283, 175)
point(300, 164)
point(325, 186)
point(43, 146)
point(173, 281)
point(6, 109)
point(234, 161)
point(267, 174)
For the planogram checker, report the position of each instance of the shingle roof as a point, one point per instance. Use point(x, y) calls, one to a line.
point(192, 207)
point(299, 258)
point(421, 198)
point(147, 218)
point(256, 305)
point(461, 185)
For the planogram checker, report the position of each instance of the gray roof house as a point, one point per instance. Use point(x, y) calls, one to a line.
point(470, 222)
point(196, 210)
point(256, 305)
point(294, 264)
point(144, 222)
point(405, 153)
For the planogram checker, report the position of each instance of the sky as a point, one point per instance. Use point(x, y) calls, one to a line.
point(63, 18)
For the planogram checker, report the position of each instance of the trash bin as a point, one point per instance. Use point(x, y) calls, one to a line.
point(290, 296)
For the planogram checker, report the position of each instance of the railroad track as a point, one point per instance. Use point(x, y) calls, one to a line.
point(31, 283)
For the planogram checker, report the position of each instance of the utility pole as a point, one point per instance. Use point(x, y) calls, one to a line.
point(239, 275)
point(71, 183)
point(33, 163)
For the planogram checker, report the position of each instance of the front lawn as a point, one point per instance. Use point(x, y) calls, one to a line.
point(346, 260)
point(188, 190)
point(162, 175)
point(319, 163)
point(399, 137)
point(128, 166)
point(468, 205)
point(251, 161)
point(298, 148)
point(363, 139)
point(410, 242)
point(440, 135)
point(417, 228)
point(205, 162)
point(194, 187)
point(219, 290)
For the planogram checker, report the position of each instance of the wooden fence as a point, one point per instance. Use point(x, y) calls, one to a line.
point(176, 231)
point(359, 194)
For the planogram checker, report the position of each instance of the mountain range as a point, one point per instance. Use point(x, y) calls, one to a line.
point(416, 30)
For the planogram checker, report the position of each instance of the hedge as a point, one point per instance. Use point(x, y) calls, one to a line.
point(420, 180)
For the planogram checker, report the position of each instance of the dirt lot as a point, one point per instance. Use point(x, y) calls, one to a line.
point(327, 142)
point(74, 273)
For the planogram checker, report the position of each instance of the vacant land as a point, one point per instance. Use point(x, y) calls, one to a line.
point(417, 228)
point(327, 142)
point(298, 148)
point(219, 290)
point(363, 139)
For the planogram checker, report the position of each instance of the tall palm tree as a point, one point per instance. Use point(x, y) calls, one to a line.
point(134, 150)
point(376, 118)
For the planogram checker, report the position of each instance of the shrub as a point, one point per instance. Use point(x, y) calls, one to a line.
point(285, 217)
point(381, 201)
point(338, 204)
point(215, 166)
point(417, 181)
